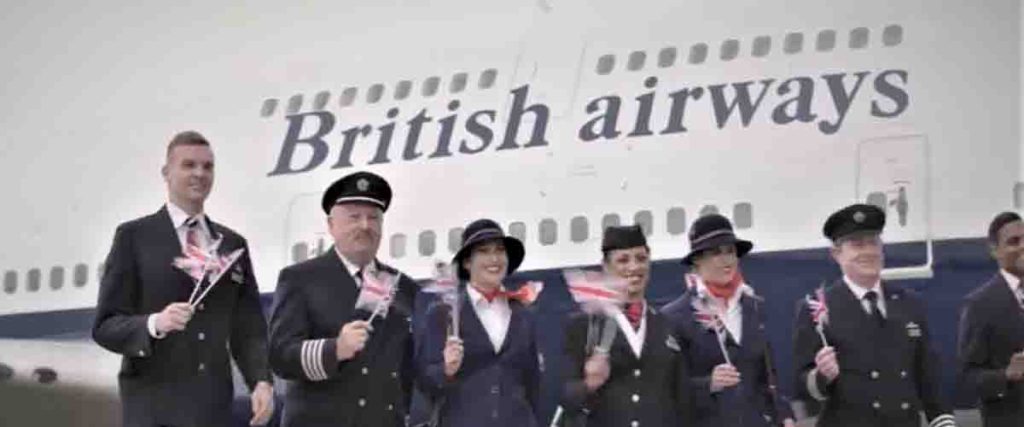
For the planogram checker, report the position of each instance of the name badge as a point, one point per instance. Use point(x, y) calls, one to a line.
point(672, 344)
point(913, 330)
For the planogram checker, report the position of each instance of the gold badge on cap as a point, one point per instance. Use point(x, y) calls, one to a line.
point(363, 184)
point(859, 217)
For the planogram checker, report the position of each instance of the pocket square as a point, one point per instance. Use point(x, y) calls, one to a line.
point(671, 343)
point(237, 277)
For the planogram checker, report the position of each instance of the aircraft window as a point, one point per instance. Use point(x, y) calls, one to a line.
point(698, 53)
point(793, 43)
point(44, 375)
point(300, 252)
point(605, 64)
point(548, 232)
point(321, 100)
point(730, 49)
point(645, 220)
point(10, 281)
point(487, 78)
point(708, 210)
point(743, 215)
point(6, 372)
point(892, 35)
point(858, 38)
point(667, 57)
point(430, 86)
point(579, 229)
point(375, 93)
point(403, 89)
point(56, 278)
point(454, 239)
point(1018, 195)
point(428, 240)
point(398, 245)
point(826, 40)
point(879, 199)
point(518, 230)
point(294, 104)
point(610, 220)
point(34, 280)
point(269, 105)
point(348, 96)
point(676, 221)
point(458, 83)
point(81, 275)
point(761, 47)
point(636, 60)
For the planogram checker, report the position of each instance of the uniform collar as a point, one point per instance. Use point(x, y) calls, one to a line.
point(1011, 280)
point(350, 266)
point(179, 216)
point(859, 291)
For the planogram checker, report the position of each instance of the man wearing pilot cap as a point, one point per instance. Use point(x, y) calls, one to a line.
point(342, 369)
point(872, 362)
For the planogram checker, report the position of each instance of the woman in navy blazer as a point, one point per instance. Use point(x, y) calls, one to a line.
point(741, 393)
point(489, 375)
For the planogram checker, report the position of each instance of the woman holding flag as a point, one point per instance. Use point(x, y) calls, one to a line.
point(480, 361)
point(720, 322)
point(624, 368)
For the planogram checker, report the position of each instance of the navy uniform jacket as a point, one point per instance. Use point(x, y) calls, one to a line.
point(183, 379)
point(752, 402)
point(888, 375)
point(312, 302)
point(991, 331)
point(491, 388)
point(649, 391)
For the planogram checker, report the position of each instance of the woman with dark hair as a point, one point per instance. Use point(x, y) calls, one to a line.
point(484, 370)
point(720, 322)
point(638, 378)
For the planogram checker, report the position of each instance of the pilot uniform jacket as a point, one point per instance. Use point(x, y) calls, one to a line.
point(752, 402)
point(651, 390)
point(312, 302)
point(183, 379)
point(490, 388)
point(888, 373)
point(991, 331)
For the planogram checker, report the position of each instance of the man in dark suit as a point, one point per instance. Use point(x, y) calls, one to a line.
point(879, 367)
point(639, 380)
point(341, 369)
point(991, 340)
point(176, 370)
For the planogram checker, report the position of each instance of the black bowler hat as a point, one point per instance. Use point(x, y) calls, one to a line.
point(622, 237)
point(854, 219)
point(711, 231)
point(484, 230)
point(358, 187)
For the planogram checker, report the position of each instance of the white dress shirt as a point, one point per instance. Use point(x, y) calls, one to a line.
point(352, 268)
point(1014, 283)
point(733, 316)
point(494, 315)
point(635, 338)
point(178, 219)
point(859, 292)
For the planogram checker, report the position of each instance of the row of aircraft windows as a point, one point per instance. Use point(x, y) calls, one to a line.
point(547, 230)
point(375, 93)
point(792, 43)
point(57, 278)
